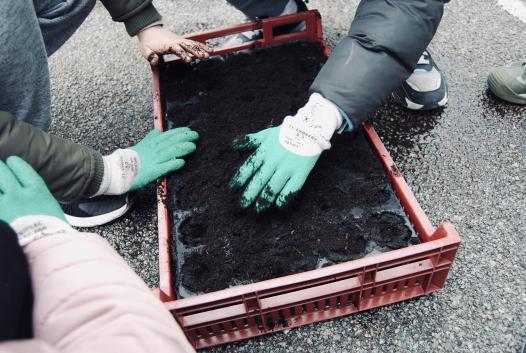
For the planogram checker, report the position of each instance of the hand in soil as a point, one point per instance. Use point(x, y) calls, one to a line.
point(160, 153)
point(155, 41)
point(275, 173)
point(286, 154)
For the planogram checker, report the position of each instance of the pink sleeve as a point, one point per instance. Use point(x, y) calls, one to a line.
point(87, 299)
point(25, 346)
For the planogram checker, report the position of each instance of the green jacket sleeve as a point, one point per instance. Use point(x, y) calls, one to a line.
point(136, 14)
point(71, 171)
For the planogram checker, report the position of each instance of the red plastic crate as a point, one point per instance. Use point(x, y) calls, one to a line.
point(256, 309)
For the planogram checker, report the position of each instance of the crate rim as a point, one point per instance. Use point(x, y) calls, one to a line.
point(433, 241)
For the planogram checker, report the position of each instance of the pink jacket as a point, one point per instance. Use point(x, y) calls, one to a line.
point(87, 299)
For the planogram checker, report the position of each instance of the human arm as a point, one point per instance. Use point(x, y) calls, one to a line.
point(284, 155)
point(73, 171)
point(380, 52)
point(384, 43)
point(86, 298)
point(142, 19)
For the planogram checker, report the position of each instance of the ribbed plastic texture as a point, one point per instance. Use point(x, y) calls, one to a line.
point(256, 309)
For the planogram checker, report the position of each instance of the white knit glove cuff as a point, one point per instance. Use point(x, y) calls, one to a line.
point(308, 133)
point(120, 169)
point(31, 228)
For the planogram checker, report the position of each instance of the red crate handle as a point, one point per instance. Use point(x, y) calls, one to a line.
point(313, 31)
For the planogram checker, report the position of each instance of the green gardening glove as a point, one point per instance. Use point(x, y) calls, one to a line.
point(277, 174)
point(160, 153)
point(286, 154)
point(24, 193)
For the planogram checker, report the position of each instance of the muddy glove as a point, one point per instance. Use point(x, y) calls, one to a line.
point(157, 154)
point(286, 154)
point(24, 193)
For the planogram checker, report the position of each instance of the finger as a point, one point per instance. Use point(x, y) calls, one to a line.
point(152, 134)
point(291, 189)
point(257, 184)
point(245, 172)
point(272, 189)
point(178, 130)
point(176, 151)
point(203, 47)
point(206, 48)
point(8, 180)
point(171, 166)
point(180, 52)
point(167, 134)
point(153, 58)
point(24, 172)
point(168, 138)
point(250, 141)
point(192, 49)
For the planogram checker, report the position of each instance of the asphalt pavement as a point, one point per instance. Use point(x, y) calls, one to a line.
point(465, 164)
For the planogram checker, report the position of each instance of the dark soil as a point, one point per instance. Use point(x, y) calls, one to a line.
point(346, 210)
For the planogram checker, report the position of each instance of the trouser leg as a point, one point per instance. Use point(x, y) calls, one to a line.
point(16, 295)
point(259, 8)
point(24, 78)
point(59, 19)
point(29, 32)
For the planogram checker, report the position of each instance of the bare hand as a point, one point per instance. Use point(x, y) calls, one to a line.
point(156, 41)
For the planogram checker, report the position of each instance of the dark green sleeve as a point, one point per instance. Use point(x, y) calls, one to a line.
point(136, 14)
point(70, 170)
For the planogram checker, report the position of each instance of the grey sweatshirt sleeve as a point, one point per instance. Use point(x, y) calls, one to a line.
point(380, 52)
point(70, 170)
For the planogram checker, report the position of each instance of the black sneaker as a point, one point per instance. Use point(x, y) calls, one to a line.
point(96, 211)
point(425, 89)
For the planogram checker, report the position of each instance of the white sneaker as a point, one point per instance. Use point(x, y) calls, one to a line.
point(293, 6)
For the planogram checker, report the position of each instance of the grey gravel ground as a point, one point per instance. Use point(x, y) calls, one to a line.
point(465, 164)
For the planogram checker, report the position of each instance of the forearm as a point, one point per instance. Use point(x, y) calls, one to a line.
point(70, 170)
point(87, 299)
point(384, 43)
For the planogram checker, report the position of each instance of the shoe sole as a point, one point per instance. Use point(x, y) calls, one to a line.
point(501, 90)
point(88, 222)
point(407, 103)
point(415, 106)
